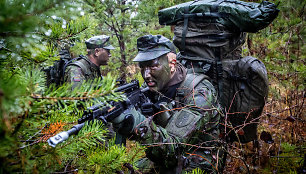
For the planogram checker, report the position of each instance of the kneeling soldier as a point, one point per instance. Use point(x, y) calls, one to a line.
point(183, 134)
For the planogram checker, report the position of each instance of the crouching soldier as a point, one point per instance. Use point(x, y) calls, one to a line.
point(183, 133)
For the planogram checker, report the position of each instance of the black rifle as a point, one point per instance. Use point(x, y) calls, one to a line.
point(107, 113)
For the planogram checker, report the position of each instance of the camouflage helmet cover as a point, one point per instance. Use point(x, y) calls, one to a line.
point(101, 41)
point(153, 46)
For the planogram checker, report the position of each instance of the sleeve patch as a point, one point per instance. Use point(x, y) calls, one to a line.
point(77, 79)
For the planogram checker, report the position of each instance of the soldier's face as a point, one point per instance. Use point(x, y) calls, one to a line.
point(103, 56)
point(156, 73)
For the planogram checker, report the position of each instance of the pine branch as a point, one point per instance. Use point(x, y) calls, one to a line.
point(34, 96)
point(23, 17)
point(71, 35)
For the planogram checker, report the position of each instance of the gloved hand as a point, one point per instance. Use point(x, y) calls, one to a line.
point(127, 121)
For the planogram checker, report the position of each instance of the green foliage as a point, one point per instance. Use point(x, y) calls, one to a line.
point(23, 25)
point(290, 159)
point(91, 152)
point(90, 137)
point(196, 171)
point(49, 106)
point(32, 33)
point(126, 21)
point(115, 18)
point(110, 160)
point(30, 112)
point(146, 12)
point(280, 45)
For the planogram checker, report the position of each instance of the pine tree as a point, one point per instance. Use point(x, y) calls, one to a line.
point(32, 33)
point(126, 21)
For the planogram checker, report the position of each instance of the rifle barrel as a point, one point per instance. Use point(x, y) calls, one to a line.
point(62, 136)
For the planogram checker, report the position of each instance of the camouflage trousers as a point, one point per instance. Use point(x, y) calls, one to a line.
point(190, 165)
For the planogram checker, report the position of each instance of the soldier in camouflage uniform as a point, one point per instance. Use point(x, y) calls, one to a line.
point(183, 134)
point(88, 68)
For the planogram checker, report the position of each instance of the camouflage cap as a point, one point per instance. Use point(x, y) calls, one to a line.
point(101, 41)
point(153, 46)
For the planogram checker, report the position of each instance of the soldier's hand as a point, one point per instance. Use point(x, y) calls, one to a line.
point(127, 121)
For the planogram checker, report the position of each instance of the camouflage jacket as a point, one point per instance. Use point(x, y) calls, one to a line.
point(80, 70)
point(185, 134)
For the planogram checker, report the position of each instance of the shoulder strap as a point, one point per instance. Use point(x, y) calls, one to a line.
point(75, 62)
point(186, 11)
point(190, 82)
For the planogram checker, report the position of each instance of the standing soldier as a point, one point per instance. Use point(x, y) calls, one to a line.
point(183, 134)
point(88, 68)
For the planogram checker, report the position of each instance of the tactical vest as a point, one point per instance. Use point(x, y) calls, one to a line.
point(90, 72)
point(81, 65)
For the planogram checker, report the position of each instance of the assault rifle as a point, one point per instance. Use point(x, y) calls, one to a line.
point(107, 113)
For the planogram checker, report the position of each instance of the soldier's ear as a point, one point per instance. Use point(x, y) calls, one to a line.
point(96, 51)
point(172, 61)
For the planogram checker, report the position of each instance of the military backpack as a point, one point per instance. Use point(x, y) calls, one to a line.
point(209, 35)
point(55, 74)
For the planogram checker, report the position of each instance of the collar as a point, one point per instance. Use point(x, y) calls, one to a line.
point(91, 64)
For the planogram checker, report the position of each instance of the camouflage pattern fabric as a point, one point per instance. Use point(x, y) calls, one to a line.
point(190, 138)
point(153, 46)
point(101, 41)
point(81, 70)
